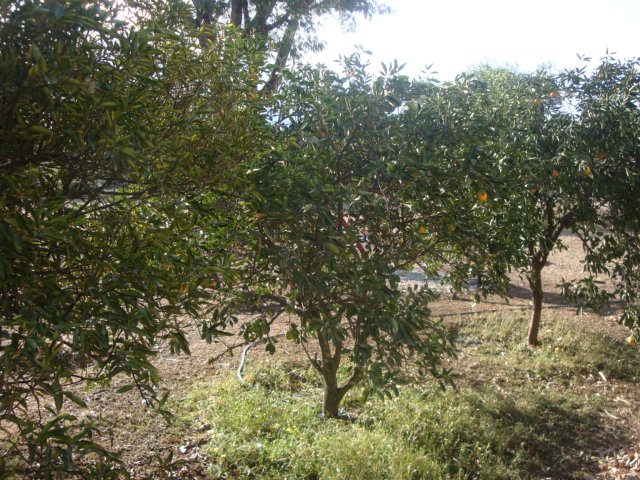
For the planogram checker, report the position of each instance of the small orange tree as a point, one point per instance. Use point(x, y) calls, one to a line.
point(561, 151)
point(335, 209)
point(514, 134)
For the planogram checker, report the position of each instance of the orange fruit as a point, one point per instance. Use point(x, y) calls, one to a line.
point(537, 101)
point(602, 156)
point(631, 340)
point(534, 190)
point(555, 173)
point(558, 349)
point(482, 196)
point(586, 171)
point(422, 229)
point(553, 94)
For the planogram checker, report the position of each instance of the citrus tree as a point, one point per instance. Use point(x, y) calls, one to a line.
point(517, 141)
point(559, 151)
point(606, 101)
point(347, 196)
point(109, 130)
point(545, 182)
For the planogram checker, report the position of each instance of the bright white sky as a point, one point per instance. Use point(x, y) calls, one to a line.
point(454, 35)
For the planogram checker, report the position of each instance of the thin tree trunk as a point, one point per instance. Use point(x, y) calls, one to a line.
point(334, 393)
point(286, 45)
point(332, 397)
point(537, 295)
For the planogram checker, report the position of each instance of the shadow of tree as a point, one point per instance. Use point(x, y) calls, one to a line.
point(554, 298)
point(539, 437)
point(562, 437)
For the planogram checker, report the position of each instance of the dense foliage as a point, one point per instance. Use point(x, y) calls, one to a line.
point(536, 145)
point(360, 186)
point(145, 184)
point(608, 102)
point(108, 129)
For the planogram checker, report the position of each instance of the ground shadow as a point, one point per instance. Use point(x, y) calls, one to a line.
point(549, 439)
point(553, 298)
point(557, 432)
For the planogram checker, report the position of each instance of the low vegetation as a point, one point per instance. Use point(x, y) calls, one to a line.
point(516, 413)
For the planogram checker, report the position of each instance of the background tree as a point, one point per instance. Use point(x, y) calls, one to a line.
point(606, 99)
point(281, 27)
point(109, 130)
point(546, 183)
point(515, 139)
point(544, 141)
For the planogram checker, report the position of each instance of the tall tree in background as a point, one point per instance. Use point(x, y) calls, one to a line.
point(282, 27)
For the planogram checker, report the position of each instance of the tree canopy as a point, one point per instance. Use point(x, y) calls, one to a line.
point(283, 28)
point(108, 130)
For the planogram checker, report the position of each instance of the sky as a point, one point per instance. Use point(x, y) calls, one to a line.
point(455, 35)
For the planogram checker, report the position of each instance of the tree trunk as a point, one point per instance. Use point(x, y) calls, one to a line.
point(236, 12)
point(284, 50)
point(328, 368)
point(332, 396)
point(537, 295)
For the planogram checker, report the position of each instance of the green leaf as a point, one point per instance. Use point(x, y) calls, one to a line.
point(75, 399)
point(125, 388)
point(41, 130)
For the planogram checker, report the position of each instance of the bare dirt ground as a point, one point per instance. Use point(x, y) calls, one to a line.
point(145, 439)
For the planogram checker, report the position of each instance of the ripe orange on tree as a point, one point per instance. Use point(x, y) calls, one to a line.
point(482, 196)
point(555, 173)
point(631, 340)
point(553, 94)
point(601, 156)
point(586, 171)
